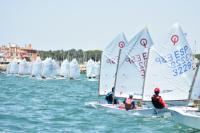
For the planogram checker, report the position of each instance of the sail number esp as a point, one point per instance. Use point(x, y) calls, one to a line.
point(180, 61)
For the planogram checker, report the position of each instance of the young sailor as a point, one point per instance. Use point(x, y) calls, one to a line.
point(129, 102)
point(157, 100)
point(109, 97)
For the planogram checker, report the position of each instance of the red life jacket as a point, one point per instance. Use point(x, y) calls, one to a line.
point(156, 102)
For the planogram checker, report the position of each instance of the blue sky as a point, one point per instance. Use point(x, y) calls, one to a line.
point(92, 24)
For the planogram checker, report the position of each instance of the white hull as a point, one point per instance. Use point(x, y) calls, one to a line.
point(143, 112)
point(187, 116)
point(92, 79)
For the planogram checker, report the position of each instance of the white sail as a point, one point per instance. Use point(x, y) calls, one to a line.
point(14, 67)
point(170, 67)
point(37, 67)
point(47, 70)
point(130, 76)
point(56, 68)
point(109, 60)
point(90, 67)
point(8, 68)
point(65, 68)
point(29, 69)
point(23, 67)
point(74, 69)
point(96, 70)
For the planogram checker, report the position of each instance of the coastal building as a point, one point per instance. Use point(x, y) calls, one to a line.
point(13, 51)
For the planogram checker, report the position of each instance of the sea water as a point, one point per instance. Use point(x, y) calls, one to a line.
point(52, 106)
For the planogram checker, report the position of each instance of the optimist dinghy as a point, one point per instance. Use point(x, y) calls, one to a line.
point(170, 68)
point(92, 70)
point(188, 116)
point(144, 111)
point(129, 70)
point(109, 62)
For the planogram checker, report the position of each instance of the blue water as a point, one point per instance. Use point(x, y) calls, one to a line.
point(52, 106)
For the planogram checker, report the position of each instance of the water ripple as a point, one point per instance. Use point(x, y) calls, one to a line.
point(30, 105)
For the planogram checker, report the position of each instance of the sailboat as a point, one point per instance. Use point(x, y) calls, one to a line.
point(132, 64)
point(37, 68)
point(131, 71)
point(92, 70)
point(170, 67)
point(74, 69)
point(8, 68)
point(109, 62)
point(97, 69)
point(48, 69)
point(14, 67)
point(56, 69)
point(29, 68)
point(23, 67)
point(64, 72)
point(190, 115)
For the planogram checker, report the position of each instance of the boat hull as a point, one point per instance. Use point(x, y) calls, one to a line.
point(187, 116)
point(142, 111)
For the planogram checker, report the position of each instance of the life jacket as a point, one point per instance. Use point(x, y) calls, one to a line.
point(109, 98)
point(156, 102)
point(128, 104)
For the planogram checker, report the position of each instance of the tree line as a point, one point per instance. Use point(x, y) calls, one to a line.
point(197, 56)
point(80, 55)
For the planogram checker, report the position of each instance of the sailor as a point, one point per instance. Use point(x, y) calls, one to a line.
point(109, 97)
point(157, 100)
point(129, 102)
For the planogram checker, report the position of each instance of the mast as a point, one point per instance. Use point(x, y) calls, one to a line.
point(145, 74)
point(116, 74)
point(193, 81)
point(100, 75)
point(195, 47)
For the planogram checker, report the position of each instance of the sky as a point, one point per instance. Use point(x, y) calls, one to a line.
point(93, 24)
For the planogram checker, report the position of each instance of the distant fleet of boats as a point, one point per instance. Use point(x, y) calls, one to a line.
point(50, 69)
